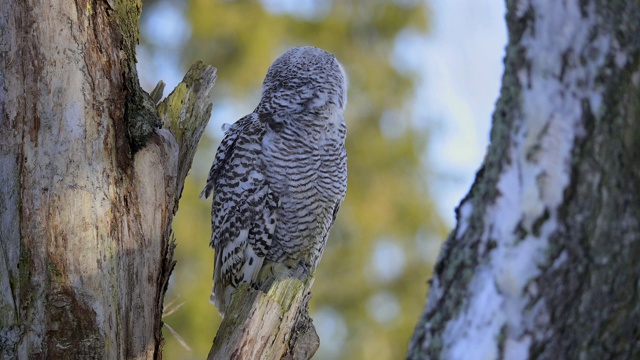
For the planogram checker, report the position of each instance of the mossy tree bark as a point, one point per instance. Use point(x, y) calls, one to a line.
point(543, 262)
point(90, 176)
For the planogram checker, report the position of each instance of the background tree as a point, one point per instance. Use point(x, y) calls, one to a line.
point(90, 176)
point(369, 286)
point(543, 261)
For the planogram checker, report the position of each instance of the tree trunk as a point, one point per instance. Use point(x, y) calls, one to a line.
point(269, 325)
point(543, 262)
point(90, 177)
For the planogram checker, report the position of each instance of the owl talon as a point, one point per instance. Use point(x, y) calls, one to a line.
point(302, 271)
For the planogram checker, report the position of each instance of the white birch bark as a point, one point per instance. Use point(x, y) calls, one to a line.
point(543, 261)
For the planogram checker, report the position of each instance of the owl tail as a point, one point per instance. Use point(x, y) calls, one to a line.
point(218, 297)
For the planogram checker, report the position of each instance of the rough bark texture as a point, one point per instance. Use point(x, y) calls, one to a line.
point(268, 325)
point(543, 262)
point(89, 181)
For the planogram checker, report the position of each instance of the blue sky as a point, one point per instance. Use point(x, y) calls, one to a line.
point(462, 70)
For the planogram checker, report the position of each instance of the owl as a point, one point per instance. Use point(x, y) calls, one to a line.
point(280, 175)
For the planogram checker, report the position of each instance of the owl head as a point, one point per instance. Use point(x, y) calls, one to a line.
point(303, 78)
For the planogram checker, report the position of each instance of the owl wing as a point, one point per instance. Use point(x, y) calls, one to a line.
point(244, 209)
point(224, 153)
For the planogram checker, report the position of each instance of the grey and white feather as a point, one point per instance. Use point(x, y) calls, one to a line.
point(280, 175)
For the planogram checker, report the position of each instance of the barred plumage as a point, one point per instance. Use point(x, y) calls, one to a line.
point(280, 175)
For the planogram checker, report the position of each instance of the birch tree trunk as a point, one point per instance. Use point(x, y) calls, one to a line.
point(90, 177)
point(543, 262)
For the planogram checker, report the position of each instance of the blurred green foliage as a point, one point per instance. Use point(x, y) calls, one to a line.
point(370, 286)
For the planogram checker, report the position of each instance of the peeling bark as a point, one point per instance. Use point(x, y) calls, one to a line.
point(86, 200)
point(543, 261)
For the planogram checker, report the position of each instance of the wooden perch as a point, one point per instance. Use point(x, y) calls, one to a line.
point(271, 325)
